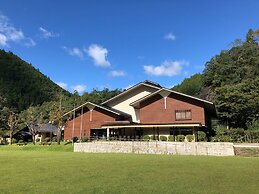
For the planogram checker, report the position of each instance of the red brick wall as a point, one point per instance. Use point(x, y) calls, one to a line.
point(153, 110)
point(99, 116)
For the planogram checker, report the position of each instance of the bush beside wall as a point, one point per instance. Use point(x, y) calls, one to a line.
point(180, 138)
point(189, 138)
point(163, 138)
point(171, 138)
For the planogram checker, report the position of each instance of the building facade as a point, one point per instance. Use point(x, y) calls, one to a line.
point(144, 109)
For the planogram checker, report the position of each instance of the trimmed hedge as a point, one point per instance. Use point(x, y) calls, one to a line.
point(171, 138)
point(180, 138)
point(190, 138)
point(163, 138)
point(85, 139)
point(74, 139)
point(146, 138)
point(202, 136)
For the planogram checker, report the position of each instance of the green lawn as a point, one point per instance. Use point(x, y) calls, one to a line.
point(67, 172)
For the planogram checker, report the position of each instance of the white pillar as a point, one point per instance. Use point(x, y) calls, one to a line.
point(108, 132)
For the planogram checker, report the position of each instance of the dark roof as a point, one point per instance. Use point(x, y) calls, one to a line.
point(152, 83)
point(47, 128)
point(114, 111)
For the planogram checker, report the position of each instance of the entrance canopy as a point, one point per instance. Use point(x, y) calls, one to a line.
point(168, 125)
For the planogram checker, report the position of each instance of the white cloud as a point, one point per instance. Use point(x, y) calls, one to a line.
point(167, 68)
point(117, 73)
point(74, 52)
point(47, 34)
point(3, 40)
point(169, 36)
point(98, 54)
point(62, 84)
point(30, 43)
point(8, 33)
point(79, 88)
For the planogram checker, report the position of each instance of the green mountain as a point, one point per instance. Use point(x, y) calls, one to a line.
point(21, 85)
point(231, 80)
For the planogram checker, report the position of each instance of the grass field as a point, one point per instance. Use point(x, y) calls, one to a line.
point(56, 171)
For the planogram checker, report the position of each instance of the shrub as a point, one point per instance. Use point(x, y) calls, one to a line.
point(237, 135)
point(190, 138)
point(38, 139)
point(54, 139)
point(47, 139)
point(20, 141)
point(163, 138)
point(252, 136)
point(224, 138)
point(74, 139)
point(68, 142)
point(180, 138)
point(14, 140)
point(201, 136)
point(146, 138)
point(85, 139)
point(171, 138)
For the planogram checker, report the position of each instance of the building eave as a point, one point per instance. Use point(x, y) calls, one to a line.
point(129, 90)
point(92, 104)
point(161, 125)
point(136, 103)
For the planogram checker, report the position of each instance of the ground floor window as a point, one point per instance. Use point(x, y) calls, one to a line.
point(98, 133)
point(181, 131)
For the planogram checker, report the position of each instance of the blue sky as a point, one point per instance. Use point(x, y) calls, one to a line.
point(110, 43)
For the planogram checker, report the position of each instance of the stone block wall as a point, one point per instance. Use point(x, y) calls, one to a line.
point(157, 147)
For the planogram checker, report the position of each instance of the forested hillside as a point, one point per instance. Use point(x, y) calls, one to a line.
point(231, 81)
point(22, 85)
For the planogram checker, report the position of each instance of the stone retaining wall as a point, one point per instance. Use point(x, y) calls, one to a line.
point(157, 147)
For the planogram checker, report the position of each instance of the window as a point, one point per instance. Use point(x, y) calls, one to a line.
point(183, 115)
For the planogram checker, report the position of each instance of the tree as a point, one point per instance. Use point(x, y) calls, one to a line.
point(191, 86)
point(32, 118)
point(57, 117)
point(12, 124)
point(238, 105)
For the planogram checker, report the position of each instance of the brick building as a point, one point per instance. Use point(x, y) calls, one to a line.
point(144, 109)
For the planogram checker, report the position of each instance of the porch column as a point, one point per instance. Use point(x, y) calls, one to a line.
point(81, 124)
point(157, 133)
point(108, 133)
point(193, 133)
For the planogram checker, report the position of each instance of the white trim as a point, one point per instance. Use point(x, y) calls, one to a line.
point(128, 90)
point(155, 125)
point(95, 105)
point(171, 91)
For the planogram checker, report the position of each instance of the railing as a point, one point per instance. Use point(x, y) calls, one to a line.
point(122, 138)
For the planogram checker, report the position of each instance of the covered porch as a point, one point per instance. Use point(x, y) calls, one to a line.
point(154, 131)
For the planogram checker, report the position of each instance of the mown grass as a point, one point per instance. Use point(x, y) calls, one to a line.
point(30, 147)
point(68, 172)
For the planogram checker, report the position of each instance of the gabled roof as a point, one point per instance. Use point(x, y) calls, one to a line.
point(144, 83)
point(114, 111)
point(136, 103)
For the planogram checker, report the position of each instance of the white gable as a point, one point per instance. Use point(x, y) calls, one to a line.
point(122, 102)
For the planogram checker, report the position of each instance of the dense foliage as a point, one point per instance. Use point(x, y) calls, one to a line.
point(22, 85)
point(191, 86)
point(231, 81)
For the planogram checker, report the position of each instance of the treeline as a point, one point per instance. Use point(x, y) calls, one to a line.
point(231, 81)
point(29, 98)
point(22, 85)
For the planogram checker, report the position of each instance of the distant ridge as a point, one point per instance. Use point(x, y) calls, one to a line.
point(22, 85)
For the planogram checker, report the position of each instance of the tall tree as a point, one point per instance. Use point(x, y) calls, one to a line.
point(32, 118)
point(12, 124)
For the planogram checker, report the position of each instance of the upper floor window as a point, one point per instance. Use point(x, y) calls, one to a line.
point(183, 115)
